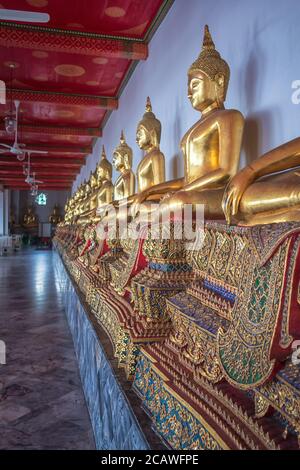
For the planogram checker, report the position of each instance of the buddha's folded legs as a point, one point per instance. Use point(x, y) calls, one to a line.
point(211, 199)
point(271, 200)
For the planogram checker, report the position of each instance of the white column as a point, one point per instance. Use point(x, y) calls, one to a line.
point(6, 204)
point(1, 211)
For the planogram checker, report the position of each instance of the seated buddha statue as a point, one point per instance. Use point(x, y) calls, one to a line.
point(85, 198)
point(95, 186)
point(30, 219)
point(211, 147)
point(79, 196)
point(85, 202)
point(55, 217)
point(124, 187)
point(95, 183)
point(151, 170)
point(267, 190)
point(76, 197)
point(67, 209)
point(105, 193)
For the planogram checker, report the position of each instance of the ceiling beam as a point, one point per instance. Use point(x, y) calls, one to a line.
point(73, 99)
point(13, 170)
point(17, 35)
point(20, 177)
point(54, 186)
point(55, 150)
point(23, 182)
point(38, 161)
point(57, 130)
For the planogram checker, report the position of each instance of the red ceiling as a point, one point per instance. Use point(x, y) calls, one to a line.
point(69, 78)
point(58, 114)
point(129, 18)
point(62, 72)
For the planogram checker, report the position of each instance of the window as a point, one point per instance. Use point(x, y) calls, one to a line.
point(41, 199)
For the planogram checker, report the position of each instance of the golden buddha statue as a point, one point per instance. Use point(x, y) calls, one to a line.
point(79, 196)
point(84, 207)
point(211, 148)
point(257, 195)
point(105, 193)
point(95, 186)
point(95, 183)
point(67, 209)
point(85, 196)
point(151, 170)
point(124, 187)
point(76, 199)
point(55, 217)
point(30, 219)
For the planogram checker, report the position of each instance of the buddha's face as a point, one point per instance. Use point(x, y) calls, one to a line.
point(100, 173)
point(118, 161)
point(201, 90)
point(93, 181)
point(143, 138)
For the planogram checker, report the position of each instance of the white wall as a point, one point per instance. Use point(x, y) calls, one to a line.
point(259, 40)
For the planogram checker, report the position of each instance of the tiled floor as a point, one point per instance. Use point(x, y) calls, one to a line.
point(41, 400)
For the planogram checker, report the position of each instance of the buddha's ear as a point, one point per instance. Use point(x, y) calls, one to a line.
point(126, 161)
point(153, 136)
point(220, 85)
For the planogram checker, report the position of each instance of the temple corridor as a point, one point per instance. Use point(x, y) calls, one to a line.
point(42, 404)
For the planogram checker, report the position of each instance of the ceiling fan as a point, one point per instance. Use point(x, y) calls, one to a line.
point(26, 16)
point(18, 149)
point(30, 178)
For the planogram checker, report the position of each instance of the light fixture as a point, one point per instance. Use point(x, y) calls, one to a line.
point(34, 190)
point(21, 157)
point(10, 124)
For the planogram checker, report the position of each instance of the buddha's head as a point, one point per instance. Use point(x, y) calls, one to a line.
point(208, 76)
point(87, 188)
point(104, 168)
point(148, 130)
point(82, 190)
point(93, 180)
point(122, 157)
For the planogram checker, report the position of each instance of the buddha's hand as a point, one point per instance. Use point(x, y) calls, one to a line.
point(166, 197)
point(138, 200)
point(234, 191)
